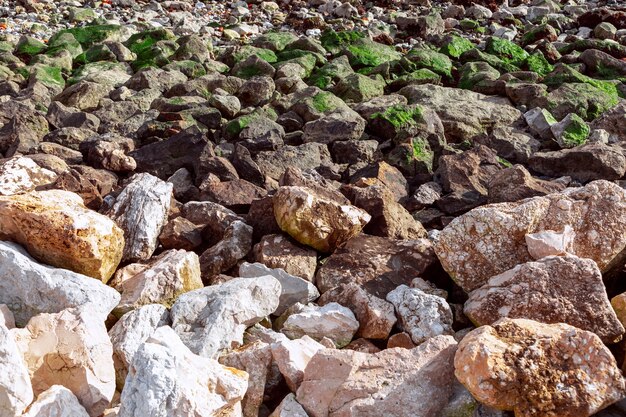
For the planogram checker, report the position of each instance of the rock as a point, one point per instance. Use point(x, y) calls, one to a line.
point(421, 315)
point(293, 356)
point(381, 173)
point(576, 296)
point(57, 401)
point(141, 210)
point(166, 277)
point(237, 194)
point(29, 288)
point(398, 382)
point(20, 175)
point(84, 95)
point(402, 340)
point(338, 125)
point(70, 348)
point(180, 233)
point(293, 289)
point(131, 330)
point(256, 360)
point(522, 365)
point(16, 392)
point(278, 251)
point(315, 221)
point(376, 317)
point(289, 407)
point(516, 183)
point(166, 378)
point(583, 163)
point(305, 156)
point(61, 116)
point(331, 320)
point(614, 122)
point(491, 239)
point(540, 122)
point(262, 134)
point(7, 319)
point(235, 243)
point(56, 228)
point(570, 132)
point(511, 144)
point(214, 318)
point(549, 243)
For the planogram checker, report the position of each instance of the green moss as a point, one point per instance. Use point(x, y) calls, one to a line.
point(6, 46)
point(469, 24)
point(434, 61)
point(142, 41)
point(586, 100)
point(473, 74)
point(456, 46)
point(324, 102)
point(506, 50)
point(28, 46)
point(246, 51)
point(504, 162)
point(566, 74)
point(277, 40)
point(48, 76)
point(96, 53)
point(400, 115)
point(91, 34)
point(334, 70)
point(191, 69)
point(367, 53)
point(539, 64)
point(235, 126)
point(64, 42)
point(477, 55)
point(576, 133)
point(334, 42)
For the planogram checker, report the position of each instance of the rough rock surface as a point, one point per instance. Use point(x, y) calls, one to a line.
point(57, 401)
point(19, 175)
point(16, 392)
point(332, 320)
point(293, 356)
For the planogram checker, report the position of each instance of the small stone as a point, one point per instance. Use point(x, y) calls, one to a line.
point(571, 131)
point(289, 407)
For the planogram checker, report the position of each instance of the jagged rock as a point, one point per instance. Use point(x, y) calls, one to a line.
point(523, 366)
point(289, 407)
point(516, 183)
point(292, 357)
point(141, 210)
point(130, 332)
point(166, 378)
point(396, 382)
point(70, 348)
point(491, 239)
point(214, 318)
point(20, 175)
point(180, 233)
point(278, 251)
point(549, 242)
point(315, 221)
point(56, 228)
point(16, 392)
point(57, 401)
point(235, 244)
point(293, 289)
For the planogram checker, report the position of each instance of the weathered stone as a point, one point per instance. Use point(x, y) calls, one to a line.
point(180, 233)
point(130, 332)
point(318, 222)
point(166, 277)
point(166, 378)
point(16, 392)
point(549, 243)
point(524, 366)
point(7, 319)
point(56, 228)
point(398, 382)
point(556, 289)
point(516, 183)
point(235, 244)
point(141, 210)
point(20, 175)
point(84, 95)
point(289, 407)
point(70, 348)
point(214, 318)
point(376, 317)
point(278, 251)
point(56, 401)
point(491, 239)
point(292, 357)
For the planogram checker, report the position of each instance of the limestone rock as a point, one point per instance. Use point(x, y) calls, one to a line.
point(130, 332)
point(29, 288)
point(491, 239)
point(278, 251)
point(214, 318)
point(395, 382)
point(16, 392)
point(555, 289)
point(141, 210)
point(19, 175)
point(315, 221)
point(167, 276)
point(292, 357)
point(56, 401)
point(56, 228)
point(70, 348)
point(421, 315)
point(549, 242)
point(331, 320)
point(538, 369)
point(293, 289)
point(167, 380)
point(289, 407)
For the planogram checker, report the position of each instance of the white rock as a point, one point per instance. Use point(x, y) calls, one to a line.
point(294, 289)
point(20, 175)
point(549, 242)
point(214, 318)
point(70, 348)
point(16, 392)
point(141, 210)
point(289, 407)
point(539, 121)
point(130, 332)
point(167, 380)
point(332, 320)
point(7, 319)
point(292, 357)
point(57, 401)
point(29, 288)
point(420, 314)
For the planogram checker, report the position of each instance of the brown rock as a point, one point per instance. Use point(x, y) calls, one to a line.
point(233, 194)
point(385, 174)
point(538, 370)
point(516, 183)
point(180, 233)
point(278, 251)
point(362, 345)
point(400, 340)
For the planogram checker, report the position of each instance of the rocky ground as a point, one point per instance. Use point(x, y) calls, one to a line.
point(314, 208)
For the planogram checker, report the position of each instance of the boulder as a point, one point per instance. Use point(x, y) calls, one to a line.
point(332, 320)
point(516, 183)
point(20, 175)
point(293, 356)
point(56, 228)
point(537, 369)
point(278, 251)
point(289, 407)
point(56, 401)
point(16, 392)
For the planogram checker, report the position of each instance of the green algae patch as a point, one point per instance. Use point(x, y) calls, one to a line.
point(91, 34)
point(246, 51)
point(432, 60)
point(276, 41)
point(367, 53)
point(325, 102)
point(64, 42)
point(29, 46)
point(334, 42)
point(49, 76)
point(192, 69)
point(456, 46)
point(563, 73)
point(475, 74)
point(539, 64)
point(576, 133)
point(506, 50)
point(400, 116)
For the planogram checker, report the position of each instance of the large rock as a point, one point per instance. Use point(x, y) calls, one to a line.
point(141, 210)
point(377, 264)
point(56, 228)
point(57, 401)
point(172, 273)
point(130, 332)
point(318, 222)
point(16, 392)
point(491, 239)
point(70, 348)
point(555, 289)
point(293, 356)
point(396, 382)
point(167, 380)
point(30, 288)
point(289, 407)
point(332, 320)
point(278, 251)
point(19, 175)
point(214, 318)
point(538, 369)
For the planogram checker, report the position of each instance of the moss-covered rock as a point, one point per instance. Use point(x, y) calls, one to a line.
point(367, 53)
point(356, 88)
point(563, 73)
point(414, 158)
point(193, 48)
point(476, 76)
point(157, 55)
point(331, 72)
point(192, 69)
point(92, 34)
point(275, 41)
point(432, 60)
point(28, 46)
point(538, 63)
point(474, 55)
point(81, 14)
point(6, 47)
point(51, 77)
point(102, 72)
point(455, 46)
point(64, 42)
point(420, 76)
point(587, 101)
point(246, 51)
point(610, 47)
point(334, 42)
point(96, 53)
point(396, 122)
point(506, 50)
point(235, 126)
point(539, 32)
point(570, 132)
